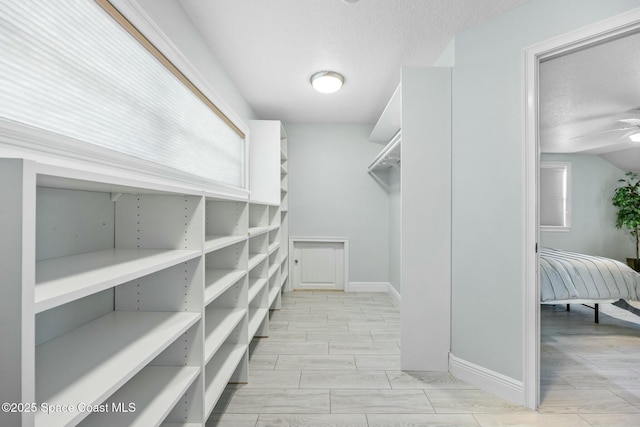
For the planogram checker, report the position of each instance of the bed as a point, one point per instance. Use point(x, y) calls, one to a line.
point(574, 278)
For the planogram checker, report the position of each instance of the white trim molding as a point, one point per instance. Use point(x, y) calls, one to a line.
point(487, 380)
point(583, 37)
point(394, 294)
point(367, 287)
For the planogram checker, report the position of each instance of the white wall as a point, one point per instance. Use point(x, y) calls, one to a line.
point(593, 217)
point(395, 230)
point(331, 193)
point(487, 175)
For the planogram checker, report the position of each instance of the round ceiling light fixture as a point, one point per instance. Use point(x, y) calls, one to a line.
point(327, 81)
point(635, 137)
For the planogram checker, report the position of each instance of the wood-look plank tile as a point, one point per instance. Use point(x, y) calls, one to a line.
point(341, 315)
point(385, 336)
point(364, 348)
point(584, 402)
point(530, 420)
point(344, 379)
point(340, 337)
point(278, 401)
point(469, 402)
point(377, 362)
point(315, 420)
point(232, 420)
point(379, 401)
point(603, 378)
point(374, 326)
point(316, 362)
point(294, 318)
point(318, 326)
point(426, 380)
point(273, 379)
point(262, 362)
point(290, 347)
point(285, 335)
point(421, 420)
point(616, 420)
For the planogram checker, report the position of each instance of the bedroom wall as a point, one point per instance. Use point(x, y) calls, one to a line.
point(331, 193)
point(593, 216)
point(487, 176)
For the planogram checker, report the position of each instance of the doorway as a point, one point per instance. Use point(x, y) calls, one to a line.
point(319, 263)
point(593, 34)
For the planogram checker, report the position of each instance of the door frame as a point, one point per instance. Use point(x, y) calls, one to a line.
point(306, 239)
point(591, 34)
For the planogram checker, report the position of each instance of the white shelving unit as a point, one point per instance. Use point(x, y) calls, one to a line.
point(419, 114)
point(284, 213)
point(117, 290)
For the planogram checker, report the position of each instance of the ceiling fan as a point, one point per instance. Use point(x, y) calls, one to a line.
point(631, 125)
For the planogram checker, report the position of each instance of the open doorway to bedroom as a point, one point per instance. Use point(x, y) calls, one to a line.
point(579, 115)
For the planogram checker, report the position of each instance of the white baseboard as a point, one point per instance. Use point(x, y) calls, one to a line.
point(367, 287)
point(487, 380)
point(394, 294)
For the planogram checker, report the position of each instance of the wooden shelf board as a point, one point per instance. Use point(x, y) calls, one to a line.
point(230, 355)
point(255, 286)
point(255, 259)
point(273, 294)
point(225, 320)
point(256, 316)
point(274, 269)
point(155, 390)
point(256, 231)
point(273, 247)
point(91, 362)
point(218, 281)
point(65, 279)
point(285, 276)
point(213, 243)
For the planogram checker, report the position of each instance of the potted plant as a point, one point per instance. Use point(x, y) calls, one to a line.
point(627, 199)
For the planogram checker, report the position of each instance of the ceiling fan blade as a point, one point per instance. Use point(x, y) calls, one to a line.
point(604, 132)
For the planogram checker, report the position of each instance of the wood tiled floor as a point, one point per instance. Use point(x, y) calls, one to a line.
point(333, 360)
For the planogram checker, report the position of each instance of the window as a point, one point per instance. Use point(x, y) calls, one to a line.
point(555, 196)
point(69, 68)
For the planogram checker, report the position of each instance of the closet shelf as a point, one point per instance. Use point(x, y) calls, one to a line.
point(255, 319)
point(255, 286)
point(65, 279)
point(223, 321)
point(218, 281)
point(256, 231)
point(285, 275)
point(155, 390)
point(91, 362)
point(390, 155)
point(273, 294)
point(273, 270)
point(213, 243)
point(255, 259)
point(273, 247)
point(218, 372)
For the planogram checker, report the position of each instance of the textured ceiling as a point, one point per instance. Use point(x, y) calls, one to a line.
point(584, 94)
point(271, 48)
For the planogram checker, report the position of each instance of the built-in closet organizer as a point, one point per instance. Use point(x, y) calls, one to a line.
point(125, 303)
point(415, 168)
point(268, 188)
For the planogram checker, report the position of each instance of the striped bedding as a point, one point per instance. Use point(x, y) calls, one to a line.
point(572, 276)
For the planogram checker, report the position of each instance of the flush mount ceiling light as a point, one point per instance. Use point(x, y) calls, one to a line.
point(327, 81)
point(635, 137)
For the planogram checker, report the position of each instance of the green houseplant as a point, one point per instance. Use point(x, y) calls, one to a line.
point(627, 199)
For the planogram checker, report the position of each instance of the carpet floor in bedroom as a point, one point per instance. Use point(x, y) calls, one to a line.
point(333, 360)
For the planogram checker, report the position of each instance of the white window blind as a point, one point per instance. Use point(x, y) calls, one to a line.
point(555, 195)
point(70, 68)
